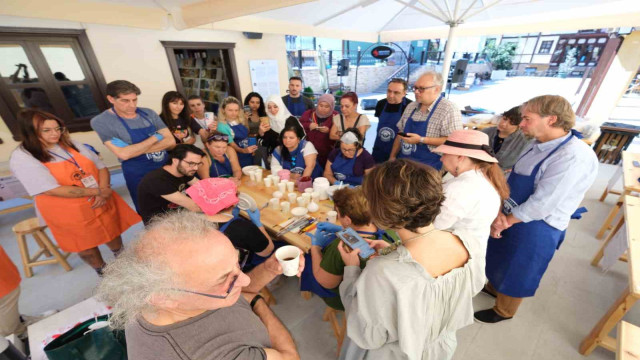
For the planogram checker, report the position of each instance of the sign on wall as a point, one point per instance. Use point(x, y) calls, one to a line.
point(264, 77)
point(381, 52)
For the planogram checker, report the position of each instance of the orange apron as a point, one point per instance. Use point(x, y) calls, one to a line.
point(9, 275)
point(73, 223)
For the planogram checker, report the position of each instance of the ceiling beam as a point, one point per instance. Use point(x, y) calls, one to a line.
point(444, 21)
point(211, 11)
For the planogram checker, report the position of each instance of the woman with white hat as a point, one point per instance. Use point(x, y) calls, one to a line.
point(350, 162)
point(474, 194)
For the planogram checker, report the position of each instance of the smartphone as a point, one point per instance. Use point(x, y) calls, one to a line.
point(355, 241)
point(403, 134)
point(209, 118)
point(253, 141)
point(247, 109)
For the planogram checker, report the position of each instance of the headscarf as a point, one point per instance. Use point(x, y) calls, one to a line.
point(278, 120)
point(328, 98)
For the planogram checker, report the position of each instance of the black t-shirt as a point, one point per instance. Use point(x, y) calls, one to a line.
point(151, 188)
point(497, 143)
point(390, 107)
point(244, 234)
point(182, 124)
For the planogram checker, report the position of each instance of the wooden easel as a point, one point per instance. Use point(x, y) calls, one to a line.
point(599, 334)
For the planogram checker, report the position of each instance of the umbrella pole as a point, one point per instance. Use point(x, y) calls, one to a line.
point(448, 53)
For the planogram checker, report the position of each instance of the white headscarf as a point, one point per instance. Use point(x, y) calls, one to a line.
point(278, 120)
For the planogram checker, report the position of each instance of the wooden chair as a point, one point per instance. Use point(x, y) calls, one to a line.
point(47, 248)
point(628, 342)
point(339, 329)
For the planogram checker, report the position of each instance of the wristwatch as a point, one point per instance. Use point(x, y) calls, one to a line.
point(421, 139)
point(255, 300)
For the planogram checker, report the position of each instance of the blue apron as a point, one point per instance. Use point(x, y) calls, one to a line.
point(221, 170)
point(517, 260)
point(387, 129)
point(308, 282)
point(420, 152)
point(296, 108)
point(136, 168)
point(241, 138)
point(297, 165)
point(343, 169)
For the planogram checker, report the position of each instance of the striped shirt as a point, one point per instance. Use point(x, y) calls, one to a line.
point(443, 122)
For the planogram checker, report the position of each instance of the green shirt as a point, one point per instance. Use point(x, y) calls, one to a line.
point(333, 264)
point(225, 129)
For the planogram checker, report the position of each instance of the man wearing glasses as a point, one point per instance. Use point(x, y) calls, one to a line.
point(180, 293)
point(426, 123)
point(162, 189)
point(388, 112)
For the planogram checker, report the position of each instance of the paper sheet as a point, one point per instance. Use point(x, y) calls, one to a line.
point(264, 77)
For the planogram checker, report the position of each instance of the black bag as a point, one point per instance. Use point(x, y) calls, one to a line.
point(101, 344)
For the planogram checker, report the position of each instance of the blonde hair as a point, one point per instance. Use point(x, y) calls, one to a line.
point(552, 105)
point(232, 100)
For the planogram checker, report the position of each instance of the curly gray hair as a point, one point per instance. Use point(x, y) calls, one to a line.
point(141, 270)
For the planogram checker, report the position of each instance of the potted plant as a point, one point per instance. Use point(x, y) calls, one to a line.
point(308, 92)
point(501, 58)
point(569, 63)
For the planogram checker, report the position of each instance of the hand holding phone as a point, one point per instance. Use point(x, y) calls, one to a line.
point(403, 134)
point(353, 240)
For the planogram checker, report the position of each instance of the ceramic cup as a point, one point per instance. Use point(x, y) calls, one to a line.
point(289, 258)
point(268, 182)
point(285, 206)
point(332, 216)
point(274, 204)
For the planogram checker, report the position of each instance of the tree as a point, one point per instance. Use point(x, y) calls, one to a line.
point(569, 61)
point(501, 56)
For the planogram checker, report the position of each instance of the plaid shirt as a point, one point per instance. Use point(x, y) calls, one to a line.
point(444, 121)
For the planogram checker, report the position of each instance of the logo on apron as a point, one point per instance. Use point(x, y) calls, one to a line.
point(157, 156)
point(297, 170)
point(508, 205)
point(244, 143)
point(340, 176)
point(386, 134)
point(407, 148)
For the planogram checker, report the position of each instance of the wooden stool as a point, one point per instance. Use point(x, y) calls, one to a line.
point(339, 330)
point(47, 248)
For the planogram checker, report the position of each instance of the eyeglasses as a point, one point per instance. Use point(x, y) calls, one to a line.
point(422, 88)
point(349, 150)
point(59, 129)
point(243, 256)
point(192, 164)
point(217, 137)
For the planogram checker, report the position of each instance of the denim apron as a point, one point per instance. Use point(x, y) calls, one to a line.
point(221, 170)
point(420, 152)
point(296, 108)
point(517, 260)
point(387, 130)
point(136, 168)
point(297, 164)
point(241, 138)
point(343, 169)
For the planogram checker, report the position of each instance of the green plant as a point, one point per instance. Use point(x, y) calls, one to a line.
point(569, 61)
point(501, 56)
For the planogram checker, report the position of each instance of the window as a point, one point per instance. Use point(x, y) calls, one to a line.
point(204, 69)
point(545, 47)
point(53, 70)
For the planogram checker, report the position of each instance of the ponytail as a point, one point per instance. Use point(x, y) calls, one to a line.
point(495, 175)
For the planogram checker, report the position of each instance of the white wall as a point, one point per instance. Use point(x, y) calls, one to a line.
point(137, 55)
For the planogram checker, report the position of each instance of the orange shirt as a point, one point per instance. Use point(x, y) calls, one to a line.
point(9, 275)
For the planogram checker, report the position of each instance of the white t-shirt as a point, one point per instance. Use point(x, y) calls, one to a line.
point(35, 176)
point(471, 203)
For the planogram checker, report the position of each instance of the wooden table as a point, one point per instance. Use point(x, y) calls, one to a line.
point(630, 176)
point(270, 218)
point(599, 334)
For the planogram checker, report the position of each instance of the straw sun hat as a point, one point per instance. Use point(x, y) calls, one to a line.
point(470, 143)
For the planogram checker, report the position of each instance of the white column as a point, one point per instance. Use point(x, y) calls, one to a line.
point(448, 53)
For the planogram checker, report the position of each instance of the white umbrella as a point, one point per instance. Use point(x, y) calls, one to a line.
point(322, 70)
point(402, 20)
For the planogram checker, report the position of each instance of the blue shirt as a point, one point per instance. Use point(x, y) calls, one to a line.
point(561, 182)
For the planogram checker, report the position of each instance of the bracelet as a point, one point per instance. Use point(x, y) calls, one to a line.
point(255, 300)
point(421, 139)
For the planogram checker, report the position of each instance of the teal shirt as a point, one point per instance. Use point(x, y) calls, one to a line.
point(225, 129)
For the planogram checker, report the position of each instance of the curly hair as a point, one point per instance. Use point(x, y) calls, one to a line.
point(352, 203)
point(403, 194)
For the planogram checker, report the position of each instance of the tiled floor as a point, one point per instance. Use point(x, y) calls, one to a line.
point(572, 297)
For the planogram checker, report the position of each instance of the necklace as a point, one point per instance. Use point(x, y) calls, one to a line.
point(419, 235)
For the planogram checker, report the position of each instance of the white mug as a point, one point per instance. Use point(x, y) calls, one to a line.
point(332, 216)
point(285, 206)
point(268, 181)
point(289, 258)
point(274, 203)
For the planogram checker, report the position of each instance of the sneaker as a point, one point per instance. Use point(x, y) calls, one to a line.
point(489, 316)
point(486, 291)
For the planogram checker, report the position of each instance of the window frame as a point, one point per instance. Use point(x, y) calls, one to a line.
point(548, 50)
point(87, 60)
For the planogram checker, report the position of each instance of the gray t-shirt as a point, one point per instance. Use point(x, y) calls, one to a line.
point(35, 176)
point(107, 125)
point(233, 332)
